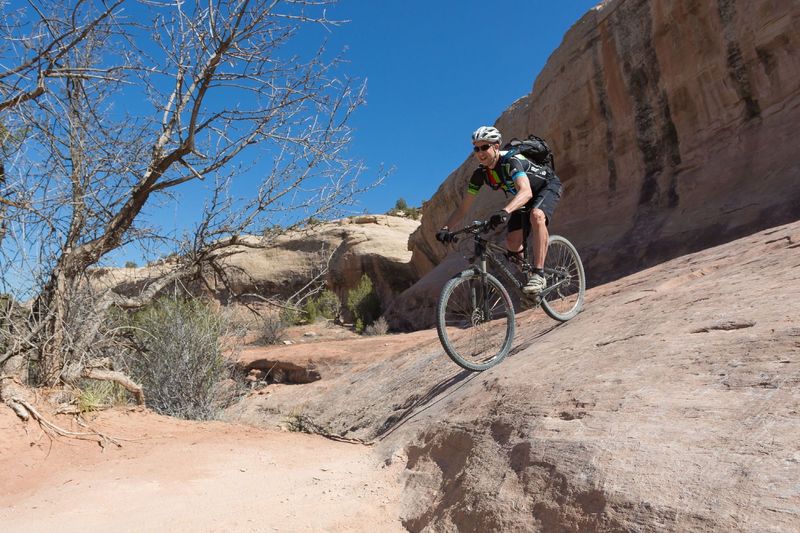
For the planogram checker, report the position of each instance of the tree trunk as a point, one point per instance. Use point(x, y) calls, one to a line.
point(11, 385)
point(51, 308)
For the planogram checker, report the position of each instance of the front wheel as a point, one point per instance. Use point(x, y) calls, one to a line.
point(475, 320)
point(566, 280)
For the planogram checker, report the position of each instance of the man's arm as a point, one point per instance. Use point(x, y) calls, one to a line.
point(524, 193)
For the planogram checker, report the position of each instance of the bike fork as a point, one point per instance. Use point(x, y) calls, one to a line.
point(484, 300)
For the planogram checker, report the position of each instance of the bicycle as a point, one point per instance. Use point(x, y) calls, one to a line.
point(474, 305)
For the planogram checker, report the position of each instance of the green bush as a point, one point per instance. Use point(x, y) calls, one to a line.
point(325, 305)
point(363, 303)
point(179, 360)
point(401, 208)
point(291, 317)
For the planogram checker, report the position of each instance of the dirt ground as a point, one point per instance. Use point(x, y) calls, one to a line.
point(173, 475)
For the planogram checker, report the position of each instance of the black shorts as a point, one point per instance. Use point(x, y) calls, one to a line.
point(545, 200)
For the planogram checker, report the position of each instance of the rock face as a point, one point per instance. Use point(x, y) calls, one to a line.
point(669, 404)
point(372, 244)
point(673, 126)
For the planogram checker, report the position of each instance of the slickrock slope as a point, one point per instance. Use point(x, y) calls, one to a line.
point(671, 403)
point(674, 128)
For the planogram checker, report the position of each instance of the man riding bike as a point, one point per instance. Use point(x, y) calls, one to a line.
point(530, 185)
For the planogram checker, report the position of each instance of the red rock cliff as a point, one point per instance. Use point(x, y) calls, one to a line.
point(673, 124)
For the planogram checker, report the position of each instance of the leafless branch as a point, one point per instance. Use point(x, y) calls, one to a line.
point(107, 119)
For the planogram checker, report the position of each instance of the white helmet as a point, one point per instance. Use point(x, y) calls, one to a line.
point(488, 134)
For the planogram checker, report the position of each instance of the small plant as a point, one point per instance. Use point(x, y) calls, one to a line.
point(273, 328)
point(131, 264)
point(297, 422)
point(363, 303)
point(6, 307)
point(271, 231)
point(97, 395)
point(325, 305)
point(291, 316)
point(379, 327)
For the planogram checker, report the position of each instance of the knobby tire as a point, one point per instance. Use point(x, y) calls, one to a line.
point(475, 320)
point(563, 266)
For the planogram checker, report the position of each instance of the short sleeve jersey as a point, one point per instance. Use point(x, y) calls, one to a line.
point(502, 176)
point(506, 173)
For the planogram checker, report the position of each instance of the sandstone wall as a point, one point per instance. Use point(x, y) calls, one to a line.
point(374, 245)
point(673, 123)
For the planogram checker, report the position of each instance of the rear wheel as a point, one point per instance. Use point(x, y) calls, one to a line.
point(475, 320)
point(566, 280)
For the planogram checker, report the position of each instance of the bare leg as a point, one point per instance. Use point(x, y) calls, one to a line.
point(514, 241)
point(540, 237)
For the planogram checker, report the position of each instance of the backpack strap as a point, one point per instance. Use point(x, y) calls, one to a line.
point(500, 179)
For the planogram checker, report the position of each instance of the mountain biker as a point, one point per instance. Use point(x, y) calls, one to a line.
point(530, 185)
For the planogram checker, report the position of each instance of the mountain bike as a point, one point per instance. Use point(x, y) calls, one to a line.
point(475, 315)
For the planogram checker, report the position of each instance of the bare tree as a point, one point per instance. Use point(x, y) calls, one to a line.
point(123, 109)
point(43, 43)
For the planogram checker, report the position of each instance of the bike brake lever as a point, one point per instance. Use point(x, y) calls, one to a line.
point(478, 226)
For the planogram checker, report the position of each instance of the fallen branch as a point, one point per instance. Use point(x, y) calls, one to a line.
point(102, 374)
point(100, 370)
point(50, 428)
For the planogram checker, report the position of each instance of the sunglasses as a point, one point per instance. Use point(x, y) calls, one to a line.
point(483, 148)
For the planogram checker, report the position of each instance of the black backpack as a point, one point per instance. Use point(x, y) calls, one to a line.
point(534, 149)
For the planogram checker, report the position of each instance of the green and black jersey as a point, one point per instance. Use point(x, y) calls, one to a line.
point(505, 174)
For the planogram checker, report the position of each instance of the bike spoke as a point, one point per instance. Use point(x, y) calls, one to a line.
point(476, 322)
point(565, 280)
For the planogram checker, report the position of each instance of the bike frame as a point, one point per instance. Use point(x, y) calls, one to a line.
point(475, 297)
point(485, 251)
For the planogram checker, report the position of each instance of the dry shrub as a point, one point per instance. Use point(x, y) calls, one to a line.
point(379, 327)
point(273, 328)
point(179, 361)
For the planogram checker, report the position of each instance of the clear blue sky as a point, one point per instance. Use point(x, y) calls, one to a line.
point(435, 71)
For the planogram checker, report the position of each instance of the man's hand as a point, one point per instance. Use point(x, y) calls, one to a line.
point(443, 235)
point(498, 218)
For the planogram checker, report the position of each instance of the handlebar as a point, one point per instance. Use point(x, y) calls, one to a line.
point(475, 228)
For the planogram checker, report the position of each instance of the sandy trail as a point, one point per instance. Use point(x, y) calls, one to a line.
point(187, 476)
